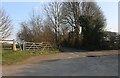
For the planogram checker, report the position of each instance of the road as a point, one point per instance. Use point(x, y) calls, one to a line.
point(66, 64)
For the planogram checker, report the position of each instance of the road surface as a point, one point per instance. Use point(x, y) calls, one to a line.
point(66, 64)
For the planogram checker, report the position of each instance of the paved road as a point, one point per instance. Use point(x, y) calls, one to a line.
point(80, 66)
point(66, 49)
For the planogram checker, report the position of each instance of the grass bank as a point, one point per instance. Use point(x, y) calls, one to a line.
point(9, 57)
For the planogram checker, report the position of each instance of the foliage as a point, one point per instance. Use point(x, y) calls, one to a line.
point(7, 46)
point(93, 23)
point(111, 40)
point(92, 32)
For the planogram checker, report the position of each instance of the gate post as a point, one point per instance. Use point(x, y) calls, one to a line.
point(14, 45)
point(23, 45)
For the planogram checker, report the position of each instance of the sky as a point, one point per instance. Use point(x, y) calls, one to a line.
point(20, 11)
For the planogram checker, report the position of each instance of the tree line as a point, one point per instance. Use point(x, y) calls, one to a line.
point(72, 24)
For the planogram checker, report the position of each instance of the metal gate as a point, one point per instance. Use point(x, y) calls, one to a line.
point(36, 46)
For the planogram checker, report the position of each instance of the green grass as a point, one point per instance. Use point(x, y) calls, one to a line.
point(9, 57)
point(7, 46)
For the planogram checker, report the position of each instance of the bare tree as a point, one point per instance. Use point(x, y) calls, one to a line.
point(25, 33)
point(47, 33)
point(54, 13)
point(31, 29)
point(72, 14)
point(36, 30)
point(5, 25)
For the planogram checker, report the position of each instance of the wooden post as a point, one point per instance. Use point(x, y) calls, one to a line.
point(14, 45)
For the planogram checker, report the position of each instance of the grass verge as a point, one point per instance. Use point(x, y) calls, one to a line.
point(9, 57)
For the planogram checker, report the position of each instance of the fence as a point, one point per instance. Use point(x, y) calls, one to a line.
point(11, 45)
point(8, 44)
point(36, 46)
